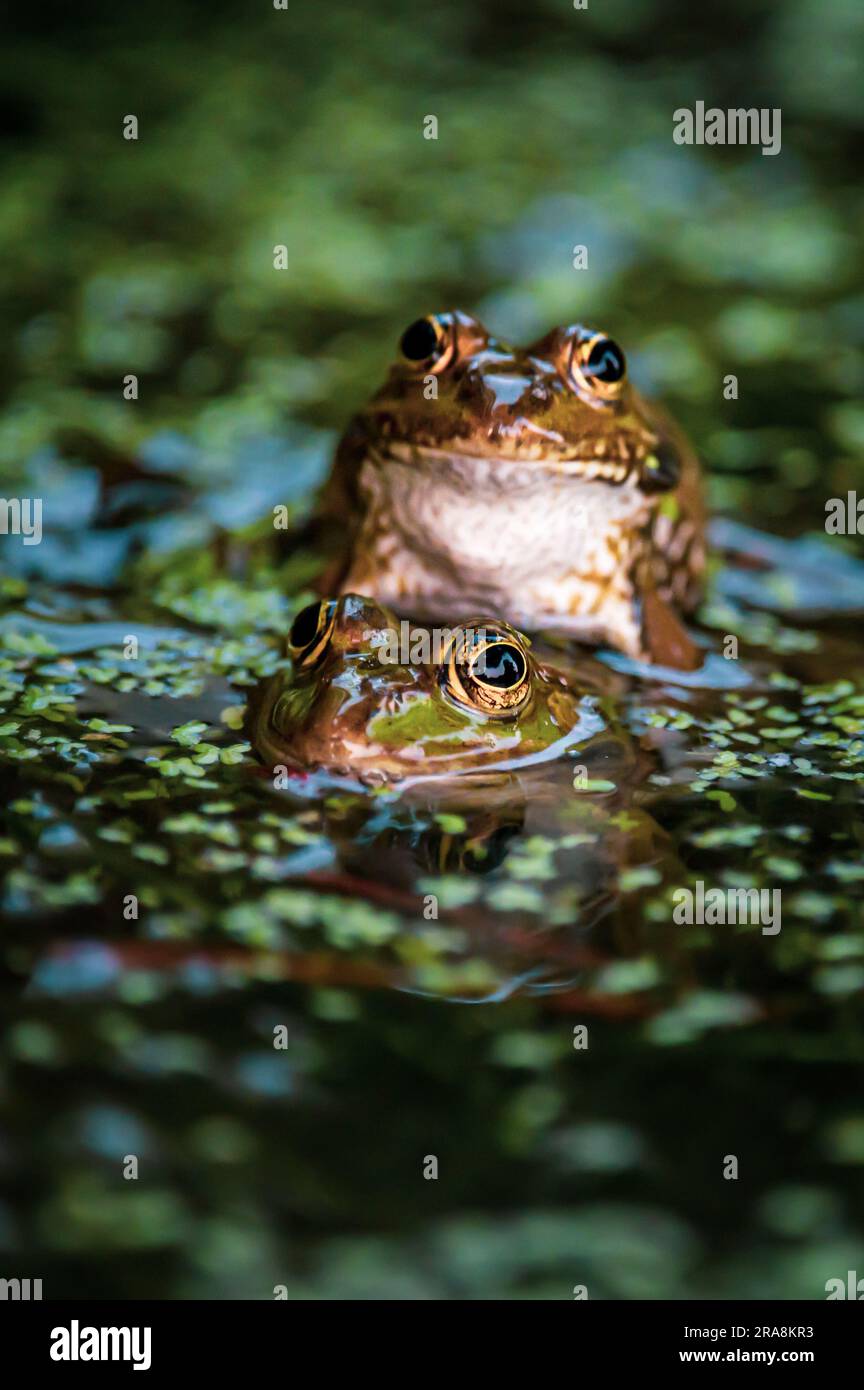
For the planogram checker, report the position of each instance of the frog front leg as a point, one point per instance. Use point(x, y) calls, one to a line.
point(663, 638)
point(640, 618)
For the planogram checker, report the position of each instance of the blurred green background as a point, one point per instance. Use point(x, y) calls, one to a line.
point(303, 128)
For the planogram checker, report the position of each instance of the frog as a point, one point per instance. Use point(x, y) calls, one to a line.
point(367, 699)
point(535, 483)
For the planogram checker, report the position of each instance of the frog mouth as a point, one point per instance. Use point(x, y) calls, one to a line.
point(532, 458)
point(360, 776)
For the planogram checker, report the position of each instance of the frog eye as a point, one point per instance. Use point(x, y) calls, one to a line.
point(427, 344)
point(598, 365)
point(487, 671)
point(310, 631)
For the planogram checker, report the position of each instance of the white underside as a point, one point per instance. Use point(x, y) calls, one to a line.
point(537, 543)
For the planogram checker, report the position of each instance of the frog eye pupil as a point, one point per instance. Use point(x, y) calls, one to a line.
point(605, 362)
point(419, 341)
point(304, 628)
point(502, 666)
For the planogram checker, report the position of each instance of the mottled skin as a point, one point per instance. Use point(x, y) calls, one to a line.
point(523, 488)
point(351, 713)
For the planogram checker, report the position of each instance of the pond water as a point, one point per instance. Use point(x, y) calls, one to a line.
point(283, 1003)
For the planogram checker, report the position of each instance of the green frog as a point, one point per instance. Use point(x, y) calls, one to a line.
point(531, 482)
point(376, 701)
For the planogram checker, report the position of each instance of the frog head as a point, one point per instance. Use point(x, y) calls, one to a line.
point(379, 700)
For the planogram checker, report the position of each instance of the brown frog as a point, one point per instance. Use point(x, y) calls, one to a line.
point(534, 483)
point(369, 699)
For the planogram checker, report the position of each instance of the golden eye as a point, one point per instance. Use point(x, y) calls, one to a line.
point(428, 343)
point(310, 631)
point(598, 365)
point(487, 671)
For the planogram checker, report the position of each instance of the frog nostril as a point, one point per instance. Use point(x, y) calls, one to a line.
point(540, 394)
point(362, 624)
point(506, 388)
point(470, 387)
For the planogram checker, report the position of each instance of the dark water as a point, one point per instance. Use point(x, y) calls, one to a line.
point(284, 1036)
point(297, 917)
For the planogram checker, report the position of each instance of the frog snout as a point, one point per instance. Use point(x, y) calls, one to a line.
point(502, 393)
point(357, 619)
